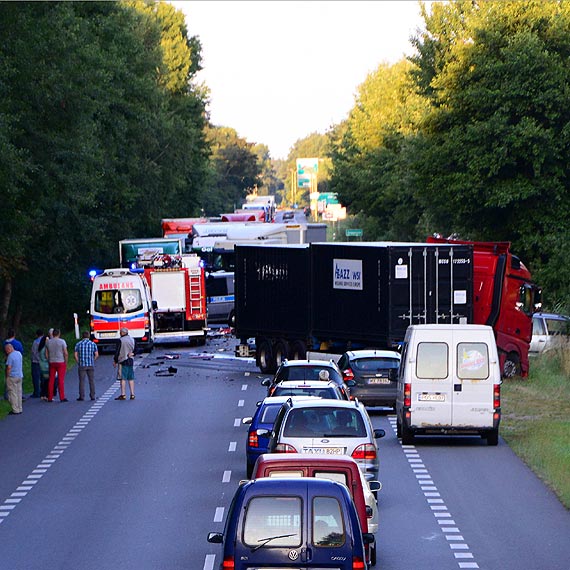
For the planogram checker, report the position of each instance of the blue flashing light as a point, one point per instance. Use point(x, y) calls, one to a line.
point(93, 272)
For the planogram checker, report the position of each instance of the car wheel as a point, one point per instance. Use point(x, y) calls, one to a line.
point(265, 358)
point(512, 365)
point(407, 435)
point(492, 437)
point(373, 555)
point(249, 470)
point(280, 352)
point(398, 428)
point(297, 350)
point(232, 320)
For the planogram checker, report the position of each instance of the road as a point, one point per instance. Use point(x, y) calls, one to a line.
point(139, 484)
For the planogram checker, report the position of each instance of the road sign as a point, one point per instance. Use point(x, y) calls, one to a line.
point(352, 232)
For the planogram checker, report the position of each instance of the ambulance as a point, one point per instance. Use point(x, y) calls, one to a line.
point(121, 298)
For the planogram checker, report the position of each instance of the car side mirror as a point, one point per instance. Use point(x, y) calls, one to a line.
point(369, 512)
point(217, 537)
point(375, 485)
point(154, 306)
point(378, 433)
point(246, 421)
point(367, 538)
point(266, 382)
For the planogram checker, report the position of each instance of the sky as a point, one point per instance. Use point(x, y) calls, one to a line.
point(278, 71)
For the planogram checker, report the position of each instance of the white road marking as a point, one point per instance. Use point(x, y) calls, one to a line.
point(244, 387)
point(233, 446)
point(237, 422)
point(209, 562)
point(226, 477)
point(219, 515)
point(241, 403)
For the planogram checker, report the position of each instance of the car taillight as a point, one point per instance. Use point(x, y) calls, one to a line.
point(252, 440)
point(407, 395)
point(347, 375)
point(497, 396)
point(228, 563)
point(146, 321)
point(364, 451)
point(358, 563)
point(284, 448)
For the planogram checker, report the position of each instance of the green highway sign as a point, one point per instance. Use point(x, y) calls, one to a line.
point(353, 232)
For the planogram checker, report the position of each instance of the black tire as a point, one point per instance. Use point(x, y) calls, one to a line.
point(232, 320)
point(373, 554)
point(280, 352)
point(265, 359)
point(512, 365)
point(398, 428)
point(297, 350)
point(492, 437)
point(249, 470)
point(407, 435)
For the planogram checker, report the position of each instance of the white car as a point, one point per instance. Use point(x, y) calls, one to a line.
point(549, 330)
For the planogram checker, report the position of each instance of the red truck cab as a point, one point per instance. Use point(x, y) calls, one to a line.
point(504, 297)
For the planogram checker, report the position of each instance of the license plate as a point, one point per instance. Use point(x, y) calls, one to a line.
point(379, 381)
point(324, 450)
point(108, 335)
point(431, 397)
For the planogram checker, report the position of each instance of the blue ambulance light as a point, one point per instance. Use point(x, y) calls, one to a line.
point(93, 272)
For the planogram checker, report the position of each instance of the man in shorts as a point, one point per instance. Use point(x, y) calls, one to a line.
point(124, 361)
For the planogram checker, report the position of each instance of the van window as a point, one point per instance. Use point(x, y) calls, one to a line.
point(432, 360)
point(266, 517)
point(118, 301)
point(288, 474)
point(338, 477)
point(216, 286)
point(269, 414)
point(538, 326)
point(328, 526)
point(472, 360)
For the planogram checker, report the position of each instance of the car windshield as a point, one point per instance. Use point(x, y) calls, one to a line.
point(324, 422)
point(306, 373)
point(324, 393)
point(375, 364)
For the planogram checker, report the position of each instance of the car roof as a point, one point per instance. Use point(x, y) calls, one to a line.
point(314, 362)
point(282, 399)
point(302, 459)
point(370, 353)
point(318, 384)
point(293, 484)
point(325, 403)
point(554, 316)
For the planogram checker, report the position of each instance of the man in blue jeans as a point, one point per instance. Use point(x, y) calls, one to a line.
point(86, 353)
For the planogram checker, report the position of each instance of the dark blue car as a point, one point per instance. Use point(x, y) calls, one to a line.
point(292, 523)
point(260, 427)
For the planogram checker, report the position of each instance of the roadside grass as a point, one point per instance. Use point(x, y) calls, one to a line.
point(536, 419)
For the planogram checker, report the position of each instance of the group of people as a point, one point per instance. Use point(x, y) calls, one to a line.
point(49, 359)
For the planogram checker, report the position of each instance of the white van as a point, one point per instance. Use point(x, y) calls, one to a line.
point(121, 298)
point(449, 382)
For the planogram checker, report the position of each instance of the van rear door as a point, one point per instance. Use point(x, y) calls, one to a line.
point(473, 379)
point(432, 385)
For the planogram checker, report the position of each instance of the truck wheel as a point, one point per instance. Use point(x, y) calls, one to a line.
point(232, 320)
point(297, 350)
point(265, 357)
point(280, 352)
point(492, 437)
point(407, 435)
point(512, 365)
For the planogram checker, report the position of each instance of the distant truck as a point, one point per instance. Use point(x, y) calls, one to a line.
point(137, 253)
point(335, 297)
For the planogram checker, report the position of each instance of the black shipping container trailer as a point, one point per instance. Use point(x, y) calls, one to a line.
point(336, 296)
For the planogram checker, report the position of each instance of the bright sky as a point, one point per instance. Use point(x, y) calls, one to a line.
point(280, 70)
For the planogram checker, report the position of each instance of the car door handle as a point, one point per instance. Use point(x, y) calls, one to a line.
point(457, 387)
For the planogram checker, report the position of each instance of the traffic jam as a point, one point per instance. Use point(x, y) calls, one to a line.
point(424, 330)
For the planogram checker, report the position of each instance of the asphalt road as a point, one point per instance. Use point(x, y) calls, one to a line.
point(139, 484)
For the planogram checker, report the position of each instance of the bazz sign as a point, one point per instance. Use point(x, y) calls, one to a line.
point(347, 274)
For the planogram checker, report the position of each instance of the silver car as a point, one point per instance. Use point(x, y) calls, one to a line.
point(324, 427)
point(330, 390)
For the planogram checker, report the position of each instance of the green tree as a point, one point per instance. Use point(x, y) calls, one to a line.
point(492, 160)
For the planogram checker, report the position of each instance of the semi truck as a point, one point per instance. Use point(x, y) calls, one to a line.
point(505, 298)
point(137, 253)
point(332, 297)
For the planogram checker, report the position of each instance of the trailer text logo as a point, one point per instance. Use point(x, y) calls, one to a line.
point(347, 274)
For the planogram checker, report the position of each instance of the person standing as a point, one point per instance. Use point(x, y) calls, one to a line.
point(14, 377)
point(124, 362)
point(44, 368)
point(11, 339)
point(56, 351)
point(86, 354)
point(36, 370)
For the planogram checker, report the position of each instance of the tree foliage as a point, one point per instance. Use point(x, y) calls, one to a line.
point(101, 134)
